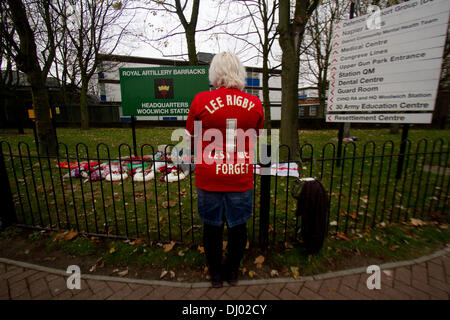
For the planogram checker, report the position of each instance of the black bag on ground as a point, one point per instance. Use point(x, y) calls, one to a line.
point(313, 207)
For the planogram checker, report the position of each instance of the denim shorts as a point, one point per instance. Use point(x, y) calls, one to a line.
point(237, 207)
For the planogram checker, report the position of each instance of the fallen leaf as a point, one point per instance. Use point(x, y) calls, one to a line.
point(259, 260)
point(201, 249)
point(163, 274)
point(333, 223)
point(169, 246)
point(115, 270)
point(27, 251)
point(417, 222)
point(287, 245)
point(181, 253)
point(166, 204)
point(224, 245)
point(123, 273)
point(342, 236)
point(295, 272)
point(274, 273)
point(49, 258)
point(112, 250)
point(59, 236)
point(72, 234)
point(93, 268)
point(172, 274)
point(247, 245)
point(251, 274)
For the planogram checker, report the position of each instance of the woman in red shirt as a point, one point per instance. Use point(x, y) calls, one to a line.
point(224, 123)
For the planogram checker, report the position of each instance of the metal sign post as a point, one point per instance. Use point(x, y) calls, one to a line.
point(341, 125)
point(133, 133)
point(401, 156)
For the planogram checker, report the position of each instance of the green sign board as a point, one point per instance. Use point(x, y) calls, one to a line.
point(161, 91)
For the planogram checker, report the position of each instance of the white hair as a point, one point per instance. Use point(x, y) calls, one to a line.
point(227, 70)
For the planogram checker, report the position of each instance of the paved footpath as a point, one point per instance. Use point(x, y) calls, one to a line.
point(424, 278)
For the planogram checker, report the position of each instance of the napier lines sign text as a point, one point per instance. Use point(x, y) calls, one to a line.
point(391, 69)
point(161, 91)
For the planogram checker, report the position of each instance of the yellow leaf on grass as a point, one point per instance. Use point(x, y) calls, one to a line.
point(166, 204)
point(417, 222)
point(251, 274)
point(59, 236)
point(112, 250)
point(169, 246)
point(342, 236)
point(294, 271)
point(201, 249)
point(247, 245)
point(72, 234)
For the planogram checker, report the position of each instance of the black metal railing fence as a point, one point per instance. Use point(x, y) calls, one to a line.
point(364, 191)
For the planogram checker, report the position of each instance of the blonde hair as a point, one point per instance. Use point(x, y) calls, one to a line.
point(227, 70)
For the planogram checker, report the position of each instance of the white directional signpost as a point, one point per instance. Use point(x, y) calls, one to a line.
point(388, 73)
point(385, 66)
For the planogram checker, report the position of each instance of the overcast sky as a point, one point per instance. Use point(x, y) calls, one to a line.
point(147, 25)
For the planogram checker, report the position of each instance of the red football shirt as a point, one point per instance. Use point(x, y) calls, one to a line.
point(230, 119)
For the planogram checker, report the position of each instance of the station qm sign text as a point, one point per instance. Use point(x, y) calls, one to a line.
point(161, 91)
point(388, 72)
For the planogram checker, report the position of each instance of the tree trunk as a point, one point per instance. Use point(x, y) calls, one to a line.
point(289, 102)
point(28, 62)
point(322, 93)
point(41, 106)
point(192, 51)
point(266, 96)
point(289, 83)
point(291, 33)
point(84, 110)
